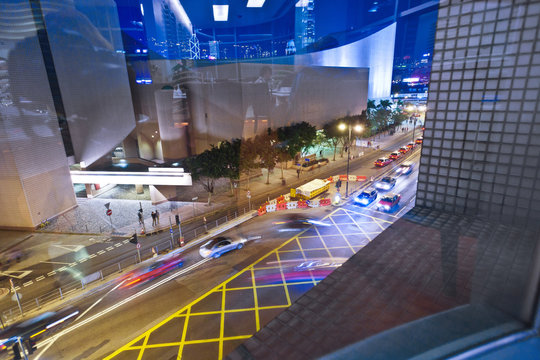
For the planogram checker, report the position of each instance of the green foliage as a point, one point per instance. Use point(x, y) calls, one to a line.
point(267, 150)
point(398, 116)
point(333, 134)
point(206, 168)
point(296, 137)
point(230, 151)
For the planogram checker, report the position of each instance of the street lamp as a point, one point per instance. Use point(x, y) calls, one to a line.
point(421, 108)
point(357, 128)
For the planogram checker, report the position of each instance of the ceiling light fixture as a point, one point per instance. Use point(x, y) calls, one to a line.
point(255, 3)
point(221, 12)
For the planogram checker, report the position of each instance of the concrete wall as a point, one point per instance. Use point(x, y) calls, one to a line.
point(375, 52)
point(92, 76)
point(34, 176)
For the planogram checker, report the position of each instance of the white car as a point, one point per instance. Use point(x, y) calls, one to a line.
point(221, 245)
point(404, 169)
point(386, 183)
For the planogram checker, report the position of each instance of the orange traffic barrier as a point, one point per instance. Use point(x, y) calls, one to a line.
point(281, 206)
point(324, 202)
point(302, 204)
point(262, 210)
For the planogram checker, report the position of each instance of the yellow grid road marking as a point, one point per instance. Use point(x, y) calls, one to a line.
point(343, 236)
point(284, 281)
point(323, 242)
point(143, 346)
point(184, 332)
point(145, 335)
point(255, 301)
point(349, 215)
point(318, 249)
point(218, 312)
point(269, 286)
point(189, 342)
point(222, 323)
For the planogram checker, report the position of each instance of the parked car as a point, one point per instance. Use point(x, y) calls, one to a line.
point(389, 202)
point(382, 162)
point(420, 140)
point(404, 149)
point(395, 155)
point(221, 245)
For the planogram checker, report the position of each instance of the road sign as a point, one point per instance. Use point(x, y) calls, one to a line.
point(138, 245)
point(248, 194)
point(109, 212)
point(107, 205)
point(171, 230)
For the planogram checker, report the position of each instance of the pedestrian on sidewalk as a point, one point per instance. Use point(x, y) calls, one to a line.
point(140, 217)
point(298, 173)
point(320, 153)
point(157, 216)
point(153, 218)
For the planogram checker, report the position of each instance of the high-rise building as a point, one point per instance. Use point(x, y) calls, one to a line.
point(171, 32)
point(194, 48)
point(214, 49)
point(305, 23)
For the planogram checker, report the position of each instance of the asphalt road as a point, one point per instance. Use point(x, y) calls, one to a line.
point(121, 315)
point(55, 275)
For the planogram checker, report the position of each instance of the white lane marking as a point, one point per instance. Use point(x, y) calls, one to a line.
point(125, 241)
point(27, 283)
point(72, 264)
point(16, 274)
point(62, 268)
point(48, 342)
point(17, 288)
point(97, 302)
point(83, 260)
point(51, 273)
point(101, 252)
point(73, 248)
point(40, 278)
point(54, 262)
point(109, 248)
point(92, 256)
point(118, 244)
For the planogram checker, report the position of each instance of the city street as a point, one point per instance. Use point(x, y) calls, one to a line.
point(210, 306)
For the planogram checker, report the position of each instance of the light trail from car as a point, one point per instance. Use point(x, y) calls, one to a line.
point(115, 306)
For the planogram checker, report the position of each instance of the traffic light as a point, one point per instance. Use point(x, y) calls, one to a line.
point(133, 239)
point(177, 218)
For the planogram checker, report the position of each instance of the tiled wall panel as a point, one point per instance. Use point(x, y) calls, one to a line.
point(481, 152)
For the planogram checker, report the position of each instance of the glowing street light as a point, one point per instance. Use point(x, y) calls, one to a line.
point(357, 128)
